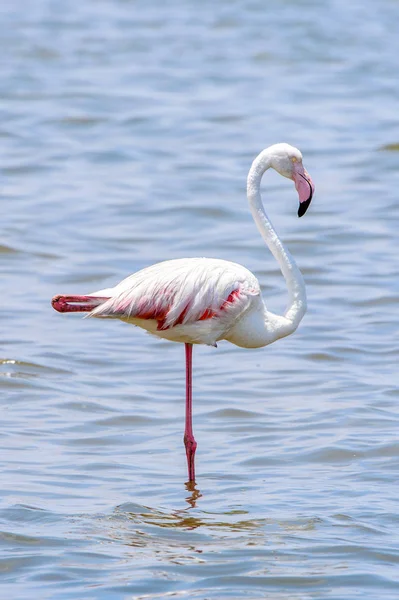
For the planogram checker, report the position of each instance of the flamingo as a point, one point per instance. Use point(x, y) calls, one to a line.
point(204, 300)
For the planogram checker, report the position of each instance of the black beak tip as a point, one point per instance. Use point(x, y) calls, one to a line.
point(303, 207)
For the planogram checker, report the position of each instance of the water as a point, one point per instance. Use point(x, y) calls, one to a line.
point(126, 134)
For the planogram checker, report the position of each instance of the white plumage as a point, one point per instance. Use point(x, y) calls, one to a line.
point(187, 298)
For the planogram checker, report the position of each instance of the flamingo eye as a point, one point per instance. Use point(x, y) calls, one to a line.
point(294, 159)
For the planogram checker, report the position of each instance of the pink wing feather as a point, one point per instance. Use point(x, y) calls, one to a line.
point(180, 292)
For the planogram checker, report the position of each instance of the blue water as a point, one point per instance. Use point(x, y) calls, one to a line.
point(127, 132)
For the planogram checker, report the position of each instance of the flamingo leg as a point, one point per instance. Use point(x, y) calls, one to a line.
point(189, 440)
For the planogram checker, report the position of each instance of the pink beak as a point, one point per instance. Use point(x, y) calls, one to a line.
point(304, 186)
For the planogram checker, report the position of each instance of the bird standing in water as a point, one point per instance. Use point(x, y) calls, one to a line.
point(204, 300)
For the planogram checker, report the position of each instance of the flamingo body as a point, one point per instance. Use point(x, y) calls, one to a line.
point(191, 300)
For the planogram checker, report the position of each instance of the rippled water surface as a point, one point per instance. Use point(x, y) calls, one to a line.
point(126, 134)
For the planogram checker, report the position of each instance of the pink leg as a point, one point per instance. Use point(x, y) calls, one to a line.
point(189, 441)
point(76, 303)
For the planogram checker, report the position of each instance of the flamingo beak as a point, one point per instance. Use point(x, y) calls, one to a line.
point(304, 186)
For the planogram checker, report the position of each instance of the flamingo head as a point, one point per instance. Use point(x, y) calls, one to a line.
point(287, 160)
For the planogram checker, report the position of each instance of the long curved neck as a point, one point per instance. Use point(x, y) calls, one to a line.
point(296, 286)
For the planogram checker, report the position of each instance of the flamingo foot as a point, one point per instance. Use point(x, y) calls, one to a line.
point(191, 446)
